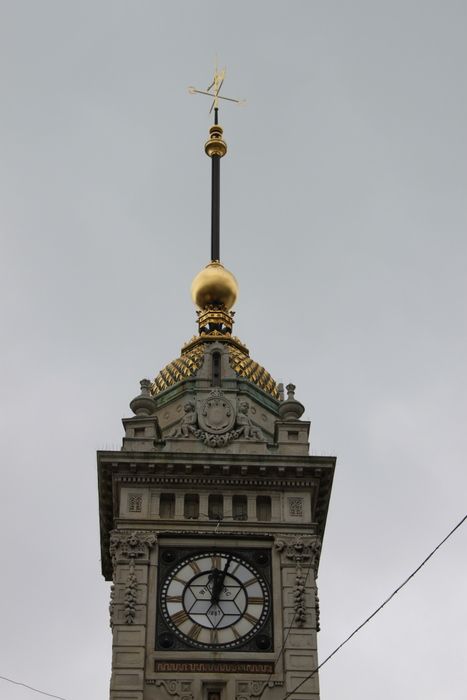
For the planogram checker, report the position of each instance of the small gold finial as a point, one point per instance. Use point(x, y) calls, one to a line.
point(215, 145)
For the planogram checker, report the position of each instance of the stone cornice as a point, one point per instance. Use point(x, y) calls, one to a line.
point(231, 470)
point(216, 481)
point(212, 458)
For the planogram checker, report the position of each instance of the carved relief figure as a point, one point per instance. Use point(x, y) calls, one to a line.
point(244, 425)
point(189, 422)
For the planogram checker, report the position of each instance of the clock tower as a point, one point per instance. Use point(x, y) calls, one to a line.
point(212, 517)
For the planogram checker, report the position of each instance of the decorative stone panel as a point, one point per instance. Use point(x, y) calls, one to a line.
point(303, 551)
point(295, 504)
point(128, 546)
point(182, 690)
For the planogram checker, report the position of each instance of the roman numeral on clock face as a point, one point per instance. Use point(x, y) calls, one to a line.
point(235, 568)
point(179, 617)
point(255, 600)
point(195, 631)
point(175, 599)
point(250, 581)
point(214, 637)
point(216, 561)
point(195, 567)
point(250, 618)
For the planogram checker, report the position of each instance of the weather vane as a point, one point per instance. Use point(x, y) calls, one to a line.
point(215, 148)
point(214, 89)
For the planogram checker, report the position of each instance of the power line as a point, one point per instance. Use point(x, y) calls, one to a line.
point(36, 690)
point(370, 617)
point(333, 653)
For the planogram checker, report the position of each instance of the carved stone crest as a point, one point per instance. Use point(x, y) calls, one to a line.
point(217, 415)
point(217, 422)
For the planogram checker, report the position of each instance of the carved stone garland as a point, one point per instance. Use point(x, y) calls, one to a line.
point(128, 546)
point(301, 550)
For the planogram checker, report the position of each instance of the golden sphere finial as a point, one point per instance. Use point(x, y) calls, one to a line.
point(214, 285)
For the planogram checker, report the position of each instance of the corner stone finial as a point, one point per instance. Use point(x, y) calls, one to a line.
point(291, 409)
point(290, 391)
point(144, 404)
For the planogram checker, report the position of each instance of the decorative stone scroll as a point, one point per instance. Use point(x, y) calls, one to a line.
point(302, 550)
point(216, 423)
point(245, 690)
point(128, 546)
point(180, 689)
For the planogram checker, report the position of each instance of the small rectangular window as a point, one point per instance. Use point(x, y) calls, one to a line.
point(213, 691)
point(191, 506)
point(292, 434)
point(216, 507)
point(214, 694)
point(263, 507)
point(167, 505)
point(139, 432)
point(216, 369)
point(239, 508)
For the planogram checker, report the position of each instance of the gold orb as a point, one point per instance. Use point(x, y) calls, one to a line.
point(214, 285)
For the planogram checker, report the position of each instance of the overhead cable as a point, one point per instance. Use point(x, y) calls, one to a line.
point(29, 687)
point(370, 617)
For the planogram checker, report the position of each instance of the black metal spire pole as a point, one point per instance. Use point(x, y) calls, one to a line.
point(215, 200)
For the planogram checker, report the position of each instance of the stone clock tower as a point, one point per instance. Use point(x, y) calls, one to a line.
point(212, 517)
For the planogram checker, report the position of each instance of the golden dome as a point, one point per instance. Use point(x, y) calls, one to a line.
point(185, 366)
point(214, 285)
point(192, 359)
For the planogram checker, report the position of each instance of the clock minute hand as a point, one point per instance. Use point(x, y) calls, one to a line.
point(219, 579)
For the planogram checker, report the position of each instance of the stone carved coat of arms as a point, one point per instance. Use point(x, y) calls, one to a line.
point(217, 422)
point(217, 415)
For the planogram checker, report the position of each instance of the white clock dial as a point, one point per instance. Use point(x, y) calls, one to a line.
point(215, 599)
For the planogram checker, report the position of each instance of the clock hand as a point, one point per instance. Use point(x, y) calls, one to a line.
point(214, 576)
point(219, 579)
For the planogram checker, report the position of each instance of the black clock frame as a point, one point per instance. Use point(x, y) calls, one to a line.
point(255, 557)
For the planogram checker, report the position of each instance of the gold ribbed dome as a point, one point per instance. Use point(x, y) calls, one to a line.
point(192, 358)
point(214, 285)
point(178, 370)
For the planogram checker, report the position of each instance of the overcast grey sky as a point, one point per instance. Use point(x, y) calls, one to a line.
point(344, 220)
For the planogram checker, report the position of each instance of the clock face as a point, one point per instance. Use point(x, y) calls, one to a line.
point(215, 599)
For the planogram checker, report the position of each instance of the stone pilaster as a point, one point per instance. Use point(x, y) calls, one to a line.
point(130, 551)
point(299, 556)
